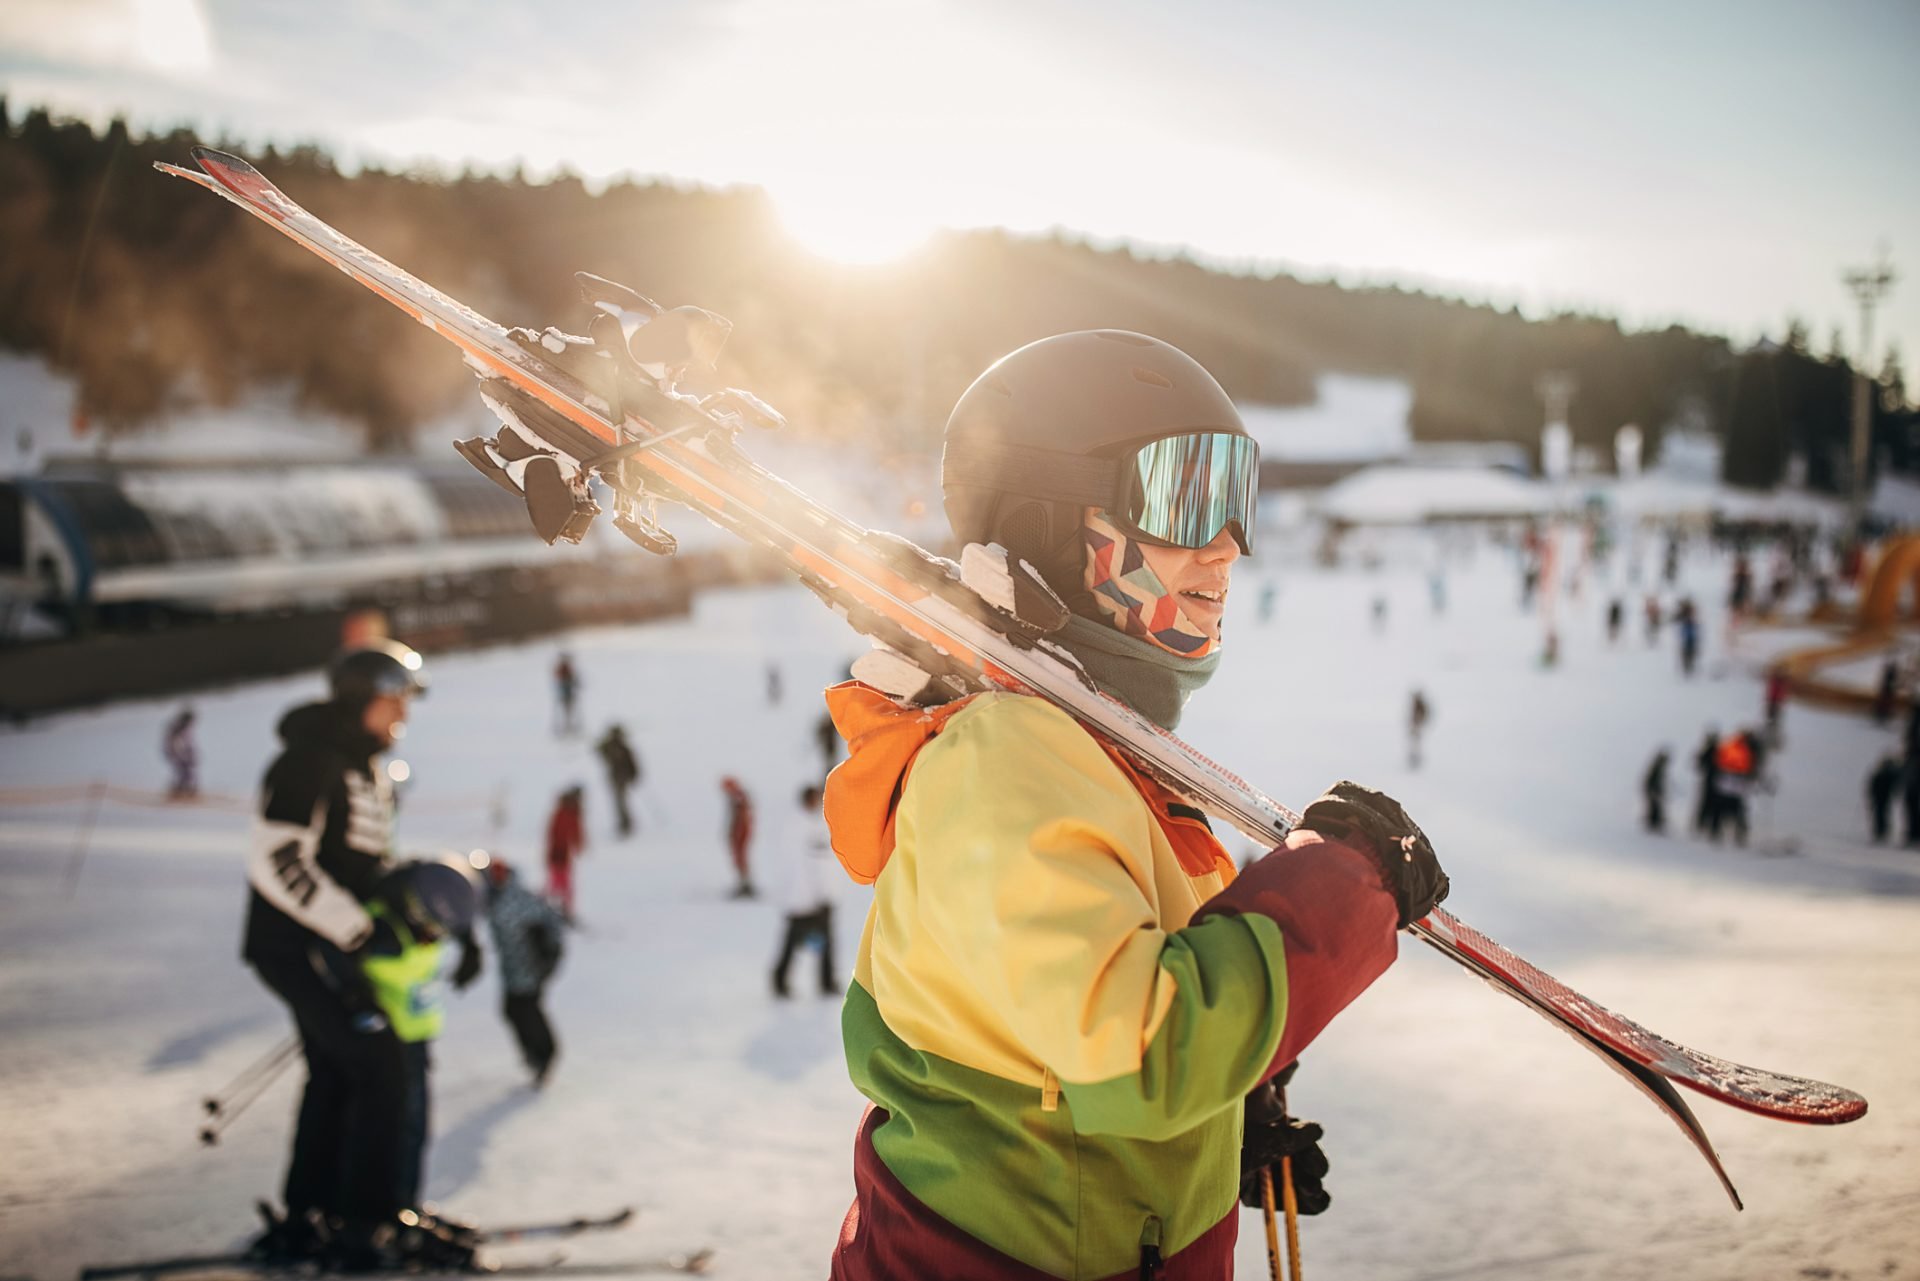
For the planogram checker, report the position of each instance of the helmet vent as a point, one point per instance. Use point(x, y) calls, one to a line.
point(1149, 376)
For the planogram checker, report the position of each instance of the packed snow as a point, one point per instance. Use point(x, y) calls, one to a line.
point(1468, 1139)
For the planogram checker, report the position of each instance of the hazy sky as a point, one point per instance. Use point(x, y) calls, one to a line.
point(1709, 162)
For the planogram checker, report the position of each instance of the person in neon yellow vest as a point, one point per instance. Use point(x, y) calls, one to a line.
point(418, 905)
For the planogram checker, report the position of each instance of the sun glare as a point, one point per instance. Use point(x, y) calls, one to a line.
point(845, 226)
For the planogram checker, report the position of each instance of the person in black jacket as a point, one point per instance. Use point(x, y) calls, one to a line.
point(623, 771)
point(1653, 790)
point(1706, 763)
point(1881, 786)
point(321, 849)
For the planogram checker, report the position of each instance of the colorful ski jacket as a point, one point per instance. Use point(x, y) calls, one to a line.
point(528, 936)
point(319, 847)
point(1062, 995)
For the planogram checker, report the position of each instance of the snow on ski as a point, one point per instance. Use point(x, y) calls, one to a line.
point(651, 441)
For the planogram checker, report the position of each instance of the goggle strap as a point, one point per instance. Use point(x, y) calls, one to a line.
point(1032, 472)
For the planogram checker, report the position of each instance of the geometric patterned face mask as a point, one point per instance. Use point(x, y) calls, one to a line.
point(1131, 596)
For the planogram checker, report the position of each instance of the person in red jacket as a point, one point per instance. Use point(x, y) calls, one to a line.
point(739, 833)
point(1067, 1004)
point(566, 841)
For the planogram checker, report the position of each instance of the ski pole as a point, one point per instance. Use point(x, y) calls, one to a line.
point(230, 1108)
point(216, 1102)
point(1273, 1230)
point(1291, 1203)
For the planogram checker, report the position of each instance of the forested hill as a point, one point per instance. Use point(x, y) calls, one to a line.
point(153, 294)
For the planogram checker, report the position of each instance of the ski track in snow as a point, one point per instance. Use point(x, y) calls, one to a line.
point(1467, 1138)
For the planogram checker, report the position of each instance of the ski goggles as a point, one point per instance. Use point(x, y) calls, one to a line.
point(1178, 491)
point(1183, 490)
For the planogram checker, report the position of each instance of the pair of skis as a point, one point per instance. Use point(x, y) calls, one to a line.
point(637, 405)
point(240, 1267)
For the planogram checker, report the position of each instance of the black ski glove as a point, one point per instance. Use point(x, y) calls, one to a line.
point(1405, 856)
point(1271, 1135)
point(469, 967)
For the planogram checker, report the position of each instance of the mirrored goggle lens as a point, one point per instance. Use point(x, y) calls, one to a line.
point(1186, 489)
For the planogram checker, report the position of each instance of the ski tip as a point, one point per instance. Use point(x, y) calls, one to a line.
point(209, 157)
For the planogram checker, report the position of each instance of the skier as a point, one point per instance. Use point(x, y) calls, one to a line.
point(773, 684)
point(1653, 619)
point(1063, 994)
point(1740, 758)
point(1616, 617)
point(318, 855)
point(1653, 789)
point(1776, 701)
point(1883, 698)
point(1740, 594)
point(1706, 763)
point(1418, 714)
point(182, 756)
point(416, 906)
point(623, 772)
point(566, 841)
point(809, 908)
point(739, 833)
point(1881, 785)
point(566, 692)
point(528, 937)
point(1269, 597)
point(1686, 619)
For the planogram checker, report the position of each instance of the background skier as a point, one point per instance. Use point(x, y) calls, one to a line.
point(528, 940)
point(1886, 692)
point(318, 854)
point(1706, 763)
point(809, 908)
point(739, 833)
point(182, 756)
point(1740, 758)
point(1776, 701)
point(1653, 790)
point(1063, 995)
point(1686, 621)
point(566, 841)
point(1881, 785)
point(566, 693)
point(623, 772)
point(1418, 714)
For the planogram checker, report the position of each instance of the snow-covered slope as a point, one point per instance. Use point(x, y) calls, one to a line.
point(1467, 1139)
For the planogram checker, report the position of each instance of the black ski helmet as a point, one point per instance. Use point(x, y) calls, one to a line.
point(359, 676)
point(439, 895)
point(1034, 440)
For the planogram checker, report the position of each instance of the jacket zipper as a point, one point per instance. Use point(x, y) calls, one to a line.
point(1150, 1261)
